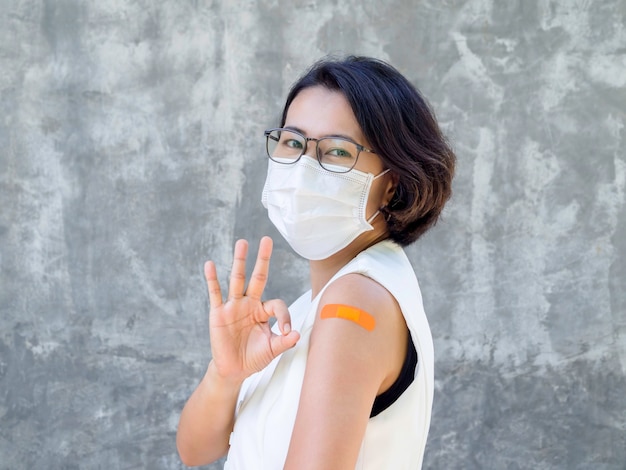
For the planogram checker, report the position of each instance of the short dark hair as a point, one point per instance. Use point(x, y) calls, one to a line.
point(401, 128)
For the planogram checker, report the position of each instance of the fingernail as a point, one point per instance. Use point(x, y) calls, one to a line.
point(286, 328)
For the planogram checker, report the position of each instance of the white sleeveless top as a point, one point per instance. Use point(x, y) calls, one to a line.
point(268, 400)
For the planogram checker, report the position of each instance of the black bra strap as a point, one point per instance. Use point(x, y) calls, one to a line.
point(405, 378)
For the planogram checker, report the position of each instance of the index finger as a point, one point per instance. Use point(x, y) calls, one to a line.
point(258, 280)
point(213, 285)
point(238, 273)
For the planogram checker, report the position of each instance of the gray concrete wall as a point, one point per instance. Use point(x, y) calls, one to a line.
point(131, 151)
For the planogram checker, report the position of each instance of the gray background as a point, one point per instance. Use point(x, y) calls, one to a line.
point(131, 151)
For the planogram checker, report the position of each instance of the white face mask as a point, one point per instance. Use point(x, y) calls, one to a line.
point(317, 211)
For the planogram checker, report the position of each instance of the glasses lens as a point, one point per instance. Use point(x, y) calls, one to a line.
point(284, 146)
point(337, 155)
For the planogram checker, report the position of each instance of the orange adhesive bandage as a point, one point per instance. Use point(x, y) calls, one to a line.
point(358, 316)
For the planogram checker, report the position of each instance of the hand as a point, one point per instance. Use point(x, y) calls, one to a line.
point(241, 340)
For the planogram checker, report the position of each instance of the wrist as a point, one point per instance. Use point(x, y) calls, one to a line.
point(227, 382)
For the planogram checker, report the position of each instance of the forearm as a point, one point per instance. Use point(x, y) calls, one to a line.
point(207, 419)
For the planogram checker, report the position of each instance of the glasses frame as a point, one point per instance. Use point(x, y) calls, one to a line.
point(306, 139)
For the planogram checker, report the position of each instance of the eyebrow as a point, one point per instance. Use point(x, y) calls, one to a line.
point(341, 136)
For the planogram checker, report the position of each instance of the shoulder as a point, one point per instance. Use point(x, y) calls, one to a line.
point(364, 293)
point(369, 329)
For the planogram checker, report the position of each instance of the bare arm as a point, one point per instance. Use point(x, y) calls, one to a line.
point(347, 367)
point(241, 344)
point(207, 419)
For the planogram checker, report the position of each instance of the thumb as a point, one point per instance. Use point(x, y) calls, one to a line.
point(281, 343)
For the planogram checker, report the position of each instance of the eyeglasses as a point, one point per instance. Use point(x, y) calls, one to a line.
point(336, 154)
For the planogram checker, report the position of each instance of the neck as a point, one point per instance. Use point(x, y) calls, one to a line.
point(322, 271)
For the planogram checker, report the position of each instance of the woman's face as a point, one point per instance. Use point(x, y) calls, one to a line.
point(319, 112)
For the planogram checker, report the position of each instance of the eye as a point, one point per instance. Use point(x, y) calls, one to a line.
point(338, 152)
point(292, 143)
point(337, 149)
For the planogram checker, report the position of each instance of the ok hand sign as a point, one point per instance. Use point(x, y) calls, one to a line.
point(241, 340)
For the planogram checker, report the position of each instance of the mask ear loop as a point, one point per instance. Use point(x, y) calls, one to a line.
point(369, 221)
point(373, 216)
point(381, 174)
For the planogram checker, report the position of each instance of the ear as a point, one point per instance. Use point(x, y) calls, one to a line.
point(390, 189)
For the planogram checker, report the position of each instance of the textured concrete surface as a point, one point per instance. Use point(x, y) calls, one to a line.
point(131, 151)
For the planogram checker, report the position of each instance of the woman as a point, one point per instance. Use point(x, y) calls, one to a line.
point(344, 379)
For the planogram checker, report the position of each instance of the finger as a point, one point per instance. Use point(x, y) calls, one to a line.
point(213, 285)
point(280, 343)
point(278, 309)
point(238, 274)
point(258, 280)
